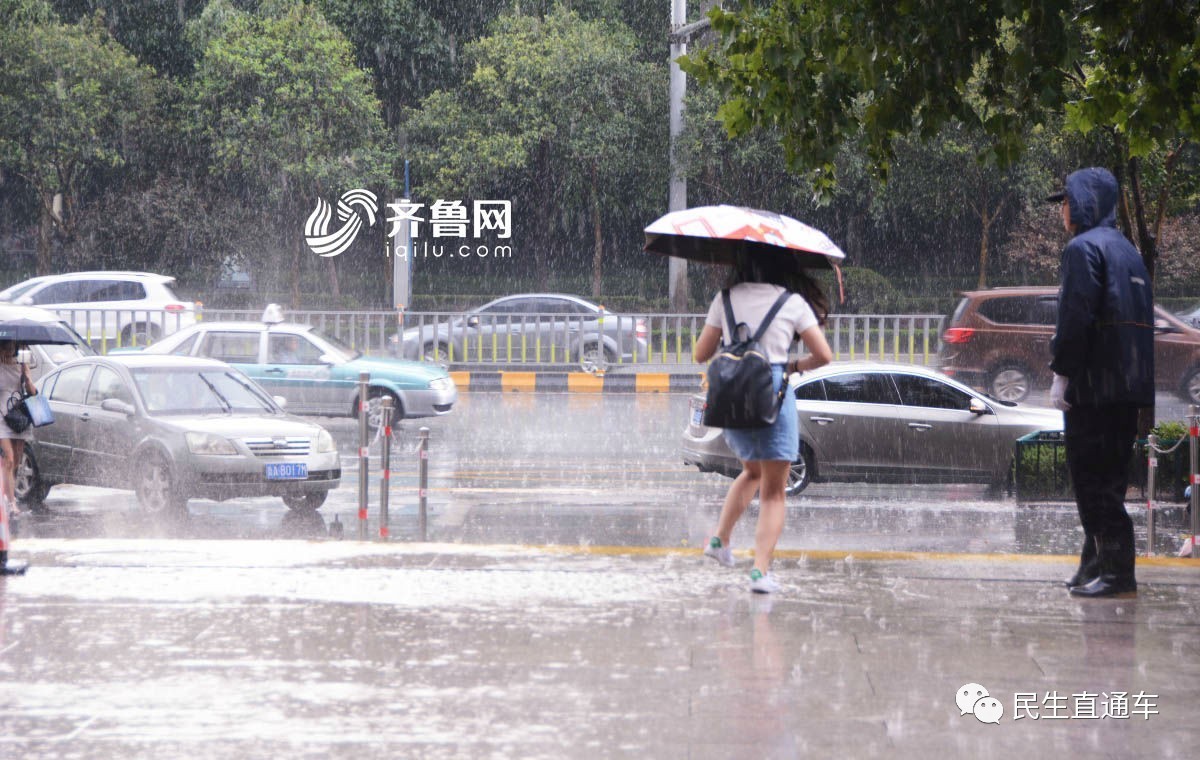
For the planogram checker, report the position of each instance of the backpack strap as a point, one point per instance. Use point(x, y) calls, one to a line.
point(730, 320)
point(779, 302)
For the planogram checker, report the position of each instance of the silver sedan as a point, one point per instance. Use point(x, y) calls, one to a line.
point(877, 422)
point(172, 428)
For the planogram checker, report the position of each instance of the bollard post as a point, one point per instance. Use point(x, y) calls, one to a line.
point(385, 480)
point(364, 380)
point(1151, 472)
point(1194, 473)
point(422, 483)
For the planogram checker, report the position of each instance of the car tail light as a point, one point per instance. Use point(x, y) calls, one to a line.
point(174, 308)
point(640, 329)
point(958, 335)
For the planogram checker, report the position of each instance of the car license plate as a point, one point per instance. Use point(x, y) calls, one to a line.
point(286, 471)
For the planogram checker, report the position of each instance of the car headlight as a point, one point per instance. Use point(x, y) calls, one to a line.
point(441, 384)
point(325, 442)
point(209, 444)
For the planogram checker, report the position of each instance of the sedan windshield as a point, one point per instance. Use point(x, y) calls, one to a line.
point(186, 391)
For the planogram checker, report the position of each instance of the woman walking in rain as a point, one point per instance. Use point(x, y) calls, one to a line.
point(13, 378)
point(766, 453)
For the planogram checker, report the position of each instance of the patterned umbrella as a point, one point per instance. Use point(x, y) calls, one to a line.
point(715, 235)
point(28, 331)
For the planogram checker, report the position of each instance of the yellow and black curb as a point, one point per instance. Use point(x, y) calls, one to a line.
point(577, 382)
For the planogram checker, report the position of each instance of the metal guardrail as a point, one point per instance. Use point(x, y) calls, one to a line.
point(114, 328)
point(533, 339)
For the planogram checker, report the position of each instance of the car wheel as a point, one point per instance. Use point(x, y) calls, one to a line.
point(436, 353)
point(596, 358)
point(29, 488)
point(1190, 390)
point(375, 408)
point(140, 334)
point(155, 487)
point(305, 502)
point(1010, 382)
point(801, 472)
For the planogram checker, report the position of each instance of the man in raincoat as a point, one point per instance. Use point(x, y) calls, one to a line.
point(1103, 362)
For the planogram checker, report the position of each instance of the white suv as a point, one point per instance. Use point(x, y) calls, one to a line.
point(131, 308)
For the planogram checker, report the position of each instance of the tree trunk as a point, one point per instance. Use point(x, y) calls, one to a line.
point(985, 234)
point(598, 239)
point(297, 245)
point(335, 288)
point(45, 234)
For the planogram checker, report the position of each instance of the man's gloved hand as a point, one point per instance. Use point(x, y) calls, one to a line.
point(1058, 392)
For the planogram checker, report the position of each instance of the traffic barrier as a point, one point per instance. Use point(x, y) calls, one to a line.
point(1194, 475)
point(364, 380)
point(548, 340)
point(385, 465)
point(422, 483)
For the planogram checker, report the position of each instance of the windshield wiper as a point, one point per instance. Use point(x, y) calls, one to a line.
point(224, 401)
point(256, 393)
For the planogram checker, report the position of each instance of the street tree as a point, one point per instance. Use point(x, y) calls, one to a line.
point(285, 114)
point(826, 72)
point(558, 114)
point(72, 101)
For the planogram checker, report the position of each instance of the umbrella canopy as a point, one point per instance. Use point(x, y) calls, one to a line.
point(29, 331)
point(715, 235)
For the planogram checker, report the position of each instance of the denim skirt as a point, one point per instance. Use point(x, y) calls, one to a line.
point(779, 441)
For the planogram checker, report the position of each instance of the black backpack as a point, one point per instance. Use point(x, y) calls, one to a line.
point(741, 390)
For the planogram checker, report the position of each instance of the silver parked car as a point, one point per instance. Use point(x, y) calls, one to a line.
point(877, 422)
point(546, 328)
point(172, 428)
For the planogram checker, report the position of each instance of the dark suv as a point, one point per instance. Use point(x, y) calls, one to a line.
point(998, 340)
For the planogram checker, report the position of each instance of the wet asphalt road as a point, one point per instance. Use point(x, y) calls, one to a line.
point(587, 469)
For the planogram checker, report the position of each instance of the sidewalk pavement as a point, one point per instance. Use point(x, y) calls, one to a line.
point(340, 649)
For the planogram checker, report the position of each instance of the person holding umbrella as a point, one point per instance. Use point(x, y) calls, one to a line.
point(766, 453)
point(14, 378)
point(770, 254)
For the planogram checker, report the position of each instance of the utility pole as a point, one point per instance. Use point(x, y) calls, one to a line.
point(681, 34)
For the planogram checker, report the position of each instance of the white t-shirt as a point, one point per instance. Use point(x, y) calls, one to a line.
point(751, 301)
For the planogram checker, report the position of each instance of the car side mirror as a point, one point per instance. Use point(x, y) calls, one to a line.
point(280, 401)
point(1163, 327)
point(473, 321)
point(117, 405)
point(326, 359)
point(978, 407)
point(25, 301)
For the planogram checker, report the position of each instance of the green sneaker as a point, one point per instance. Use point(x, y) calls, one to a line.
point(722, 554)
point(763, 584)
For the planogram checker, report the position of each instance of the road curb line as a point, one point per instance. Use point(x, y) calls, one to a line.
point(575, 382)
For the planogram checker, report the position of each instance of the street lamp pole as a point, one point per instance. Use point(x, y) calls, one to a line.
point(677, 195)
point(681, 33)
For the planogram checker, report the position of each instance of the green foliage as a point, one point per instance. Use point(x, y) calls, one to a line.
point(282, 107)
point(72, 102)
point(559, 115)
point(1041, 469)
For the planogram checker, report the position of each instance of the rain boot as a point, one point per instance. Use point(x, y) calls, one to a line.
point(1089, 563)
point(1116, 579)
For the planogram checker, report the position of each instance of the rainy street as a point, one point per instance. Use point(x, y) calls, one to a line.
point(590, 469)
